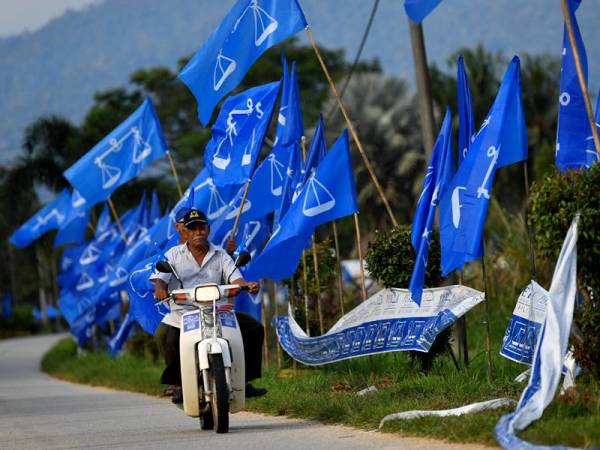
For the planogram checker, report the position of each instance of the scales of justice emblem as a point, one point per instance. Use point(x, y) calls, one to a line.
point(222, 157)
point(317, 199)
point(277, 170)
point(264, 26)
point(141, 150)
point(53, 214)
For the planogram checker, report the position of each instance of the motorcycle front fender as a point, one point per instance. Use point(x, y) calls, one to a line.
point(211, 347)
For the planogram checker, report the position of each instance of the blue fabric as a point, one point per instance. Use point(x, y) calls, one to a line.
point(120, 156)
point(417, 10)
point(329, 193)
point(501, 140)
point(115, 344)
point(574, 144)
point(466, 121)
point(7, 305)
point(48, 218)
point(103, 221)
point(316, 151)
point(291, 182)
point(439, 174)
point(249, 29)
point(155, 213)
point(238, 134)
point(290, 126)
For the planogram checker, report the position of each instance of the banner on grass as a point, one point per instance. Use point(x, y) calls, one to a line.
point(525, 324)
point(388, 321)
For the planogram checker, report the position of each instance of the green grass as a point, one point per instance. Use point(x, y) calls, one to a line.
point(127, 372)
point(328, 393)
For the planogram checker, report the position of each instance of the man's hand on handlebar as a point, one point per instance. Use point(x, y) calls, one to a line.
point(160, 290)
point(252, 286)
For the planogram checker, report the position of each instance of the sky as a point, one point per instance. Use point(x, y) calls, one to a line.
point(17, 16)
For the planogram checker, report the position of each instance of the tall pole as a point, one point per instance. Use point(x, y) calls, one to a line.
point(582, 82)
point(41, 287)
point(351, 127)
point(488, 349)
point(360, 258)
point(240, 211)
point(422, 79)
point(315, 257)
point(273, 295)
point(265, 324)
point(117, 220)
point(175, 175)
point(338, 266)
point(305, 289)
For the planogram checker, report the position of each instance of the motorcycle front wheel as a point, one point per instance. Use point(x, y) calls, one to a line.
point(220, 394)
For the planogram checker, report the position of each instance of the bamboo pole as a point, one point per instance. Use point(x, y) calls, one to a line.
point(274, 297)
point(263, 312)
point(530, 232)
point(338, 266)
point(488, 345)
point(351, 127)
point(240, 210)
point(318, 284)
point(174, 170)
point(582, 82)
point(117, 220)
point(305, 289)
point(360, 258)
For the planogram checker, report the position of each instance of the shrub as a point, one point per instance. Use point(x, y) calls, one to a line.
point(554, 202)
point(390, 258)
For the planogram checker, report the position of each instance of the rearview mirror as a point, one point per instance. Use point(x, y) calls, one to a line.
point(242, 259)
point(164, 267)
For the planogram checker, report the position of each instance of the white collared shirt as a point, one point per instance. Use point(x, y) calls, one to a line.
point(217, 267)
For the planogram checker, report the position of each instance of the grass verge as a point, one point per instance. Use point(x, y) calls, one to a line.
point(328, 394)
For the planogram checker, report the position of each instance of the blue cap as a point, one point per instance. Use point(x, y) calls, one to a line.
point(181, 213)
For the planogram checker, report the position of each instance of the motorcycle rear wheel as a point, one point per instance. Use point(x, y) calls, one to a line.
point(220, 395)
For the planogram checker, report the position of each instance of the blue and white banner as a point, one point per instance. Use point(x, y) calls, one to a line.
point(550, 350)
point(525, 324)
point(386, 322)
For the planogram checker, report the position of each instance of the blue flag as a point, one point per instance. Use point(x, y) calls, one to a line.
point(48, 218)
point(316, 152)
point(328, 194)
point(439, 173)
point(501, 140)
point(417, 10)
point(115, 344)
point(574, 143)
point(72, 230)
point(154, 211)
point(249, 29)
point(238, 134)
point(466, 121)
point(292, 183)
point(7, 305)
point(142, 306)
point(120, 156)
point(290, 126)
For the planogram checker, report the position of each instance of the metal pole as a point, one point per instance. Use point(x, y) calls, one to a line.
point(174, 170)
point(338, 267)
point(360, 258)
point(117, 220)
point(422, 79)
point(582, 83)
point(351, 128)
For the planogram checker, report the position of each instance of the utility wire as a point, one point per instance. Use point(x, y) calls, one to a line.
point(335, 107)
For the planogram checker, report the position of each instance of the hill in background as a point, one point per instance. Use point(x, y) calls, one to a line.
point(58, 68)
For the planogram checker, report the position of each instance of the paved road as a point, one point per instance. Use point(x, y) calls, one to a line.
point(38, 412)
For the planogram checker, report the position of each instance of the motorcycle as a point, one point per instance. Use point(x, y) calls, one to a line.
point(211, 352)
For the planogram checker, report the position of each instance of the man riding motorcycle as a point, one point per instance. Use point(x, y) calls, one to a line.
point(197, 261)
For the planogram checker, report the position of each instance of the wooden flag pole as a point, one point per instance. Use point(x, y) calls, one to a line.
point(530, 232)
point(305, 289)
point(582, 83)
point(338, 267)
point(117, 220)
point(172, 163)
point(351, 127)
point(265, 324)
point(315, 257)
point(240, 210)
point(488, 346)
point(360, 258)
